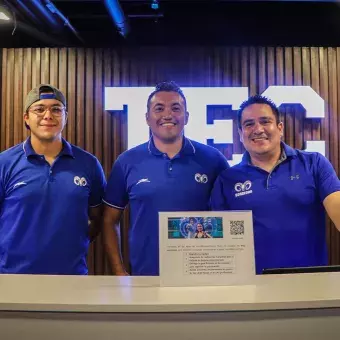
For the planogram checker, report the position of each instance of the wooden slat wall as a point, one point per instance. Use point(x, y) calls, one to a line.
point(83, 73)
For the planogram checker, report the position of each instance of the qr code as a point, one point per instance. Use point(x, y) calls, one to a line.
point(236, 227)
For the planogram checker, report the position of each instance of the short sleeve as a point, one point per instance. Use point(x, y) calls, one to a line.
point(116, 194)
point(98, 186)
point(326, 177)
point(223, 163)
point(218, 201)
point(2, 184)
point(2, 191)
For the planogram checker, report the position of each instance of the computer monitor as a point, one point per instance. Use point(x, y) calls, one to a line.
point(299, 270)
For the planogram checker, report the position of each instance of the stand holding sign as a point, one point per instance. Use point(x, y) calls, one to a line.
point(206, 248)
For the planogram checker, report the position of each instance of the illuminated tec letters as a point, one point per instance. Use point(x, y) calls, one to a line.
point(133, 101)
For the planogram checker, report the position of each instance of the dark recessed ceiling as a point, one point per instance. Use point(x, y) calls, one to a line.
point(176, 22)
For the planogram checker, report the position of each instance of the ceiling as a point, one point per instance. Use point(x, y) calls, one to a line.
point(298, 23)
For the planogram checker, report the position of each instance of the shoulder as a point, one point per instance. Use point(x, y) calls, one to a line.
point(83, 156)
point(206, 151)
point(134, 154)
point(12, 153)
point(311, 159)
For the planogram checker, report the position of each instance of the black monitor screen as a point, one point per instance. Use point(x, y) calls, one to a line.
point(298, 270)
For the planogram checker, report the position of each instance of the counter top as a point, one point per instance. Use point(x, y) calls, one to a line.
point(112, 294)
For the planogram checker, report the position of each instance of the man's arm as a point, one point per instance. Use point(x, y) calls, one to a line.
point(95, 221)
point(332, 206)
point(328, 187)
point(218, 201)
point(111, 220)
point(95, 211)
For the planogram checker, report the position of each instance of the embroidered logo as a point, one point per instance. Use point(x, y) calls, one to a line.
point(201, 178)
point(143, 180)
point(19, 184)
point(243, 188)
point(294, 177)
point(79, 181)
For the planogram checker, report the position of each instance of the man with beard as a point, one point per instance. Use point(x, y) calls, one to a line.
point(288, 191)
point(168, 173)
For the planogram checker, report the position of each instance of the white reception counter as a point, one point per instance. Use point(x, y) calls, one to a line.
point(299, 306)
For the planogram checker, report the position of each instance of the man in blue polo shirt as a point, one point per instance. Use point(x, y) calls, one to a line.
point(167, 173)
point(50, 194)
point(287, 190)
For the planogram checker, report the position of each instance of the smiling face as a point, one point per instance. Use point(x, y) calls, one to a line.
point(167, 116)
point(46, 119)
point(260, 131)
point(199, 228)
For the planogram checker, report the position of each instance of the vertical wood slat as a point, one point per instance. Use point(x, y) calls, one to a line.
point(62, 77)
point(235, 65)
point(70, 94)
point(36, 67)
point(306, 80)
point(324, 94)
point(4, 84)
point(279, 66)
point(83, 73)
point(45, 66)
point(288, 80)
point(53, 67)
point(262, 76)
point(9, 108)
point(27, 82)
point(297, 80)
point(244, 67)
point(270, 71)
point(79, 93)
point(253, 83)
point(297, 62)
point(17, 97)
point(89, 100)
point(315, 83)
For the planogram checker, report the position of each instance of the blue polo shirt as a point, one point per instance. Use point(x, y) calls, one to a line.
point(287, 206)
point(44, 209)
point(152, 182)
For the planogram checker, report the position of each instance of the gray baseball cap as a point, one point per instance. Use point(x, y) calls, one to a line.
point(39, 93)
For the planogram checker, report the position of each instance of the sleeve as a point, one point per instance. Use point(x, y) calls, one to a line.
point(326, 177)
point(2, 184)
point(116, 194)
point(218, 201)
point(2, 191)
point(223, 163)
point(98, 185)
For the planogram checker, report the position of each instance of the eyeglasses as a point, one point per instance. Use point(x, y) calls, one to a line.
point(56, 111)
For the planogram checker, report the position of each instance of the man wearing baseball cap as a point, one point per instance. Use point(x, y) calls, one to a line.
point(49, 191)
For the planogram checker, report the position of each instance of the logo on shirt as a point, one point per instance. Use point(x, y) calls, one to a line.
point(201, 178)
point(19, 184)
point(143, 180)
point(243, 189)
point(79, 181)
point(294, 177)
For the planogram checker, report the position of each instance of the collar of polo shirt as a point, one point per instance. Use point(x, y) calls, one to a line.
point(187, 148)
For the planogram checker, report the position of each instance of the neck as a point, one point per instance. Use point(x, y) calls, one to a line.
point(48, 148)
point(171, 149)
point(266, 161)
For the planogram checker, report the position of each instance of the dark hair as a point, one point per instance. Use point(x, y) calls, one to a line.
point(257, 99)
point(167, 86)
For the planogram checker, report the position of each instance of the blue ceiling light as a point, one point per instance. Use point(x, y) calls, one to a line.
point(155, 4)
